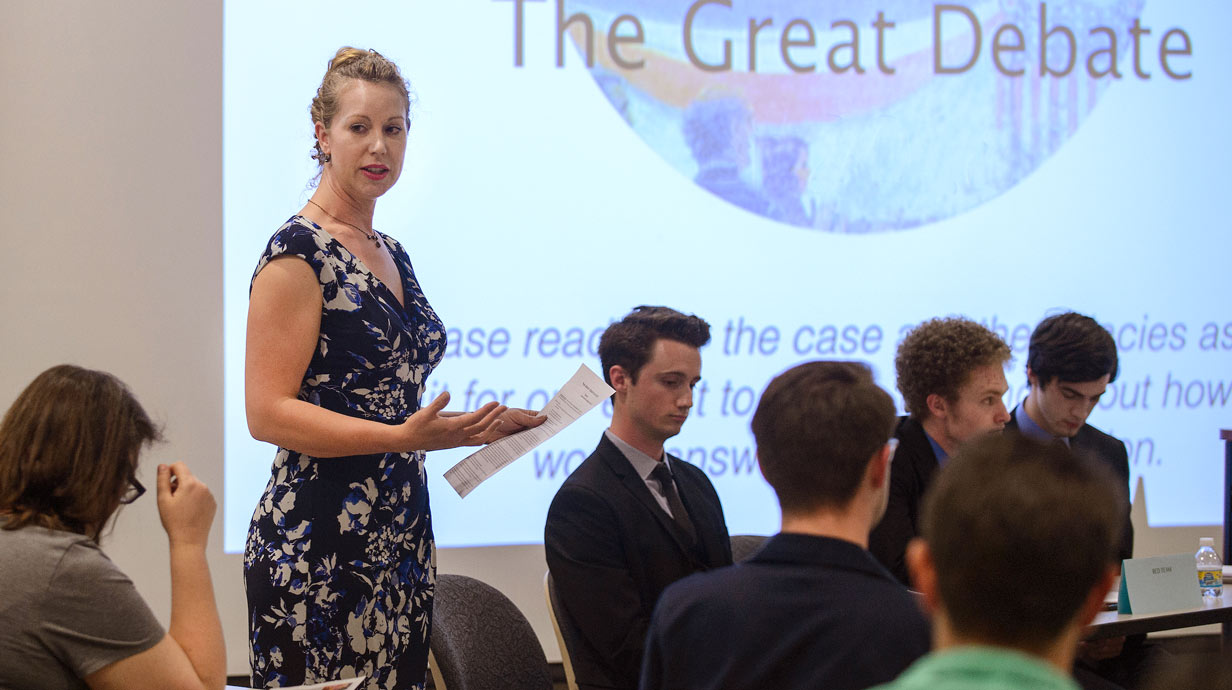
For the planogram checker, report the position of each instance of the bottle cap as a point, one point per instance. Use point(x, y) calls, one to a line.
point(1206, 541)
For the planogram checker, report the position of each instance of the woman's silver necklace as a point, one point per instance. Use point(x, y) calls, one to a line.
point(370, 235)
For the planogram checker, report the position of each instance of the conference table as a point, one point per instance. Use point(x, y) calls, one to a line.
point(1213, 610)
point(1216, 610)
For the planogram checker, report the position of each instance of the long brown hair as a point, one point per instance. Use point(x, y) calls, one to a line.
point(68, 450)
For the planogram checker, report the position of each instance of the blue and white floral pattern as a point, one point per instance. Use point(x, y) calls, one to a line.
point(340, 564)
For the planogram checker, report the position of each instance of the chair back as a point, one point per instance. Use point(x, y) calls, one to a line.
point(567, 634)
point(745, 545)
point(481, 641)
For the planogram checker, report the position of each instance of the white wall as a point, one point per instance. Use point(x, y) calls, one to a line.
point(110, 194)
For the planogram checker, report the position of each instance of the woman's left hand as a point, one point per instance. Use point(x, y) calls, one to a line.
point(516, 419)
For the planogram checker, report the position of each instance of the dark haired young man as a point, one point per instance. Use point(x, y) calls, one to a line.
point(1005, 506)
point(1071, 360)
point(812, 608)
point(951, 373)
point(631, 519)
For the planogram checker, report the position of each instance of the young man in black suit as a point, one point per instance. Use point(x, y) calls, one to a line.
point(812, 608)
point(1070, 362)
point(631, 519)
point(951, 373)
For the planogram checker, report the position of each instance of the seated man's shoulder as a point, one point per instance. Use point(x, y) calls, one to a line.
point(912, 440)
point(760, 599)
point(707, 583)
point(888, 617)
point(576, 493)
point(1094, 435)
point(591, 477)
point(893, 600)
point(1102, 446)
point(585, 504)
point(719, 594)
point(864, 594)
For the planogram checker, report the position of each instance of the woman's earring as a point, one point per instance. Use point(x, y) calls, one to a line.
point(320, 157)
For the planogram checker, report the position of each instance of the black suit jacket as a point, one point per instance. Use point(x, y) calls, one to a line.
point(612, 551)
point(1109, 450)
point(911, 473)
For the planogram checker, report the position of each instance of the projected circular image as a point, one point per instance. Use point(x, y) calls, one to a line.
point(851, 116)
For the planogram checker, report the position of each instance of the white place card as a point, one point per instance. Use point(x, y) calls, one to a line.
point(1159, 584)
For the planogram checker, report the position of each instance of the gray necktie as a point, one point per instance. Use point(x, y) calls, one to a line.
point(679, 514)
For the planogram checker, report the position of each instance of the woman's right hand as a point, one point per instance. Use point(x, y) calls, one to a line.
point(192, 654)
point(430, 429)
point(185, 506)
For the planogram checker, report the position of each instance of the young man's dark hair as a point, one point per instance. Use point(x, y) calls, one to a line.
point(938, 355)
point(627, 343)
point(816, 427)
point(1006, 506)
point(1070, 362)
point(1071, 347)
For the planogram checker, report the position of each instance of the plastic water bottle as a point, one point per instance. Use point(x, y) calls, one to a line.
point(1210, 568)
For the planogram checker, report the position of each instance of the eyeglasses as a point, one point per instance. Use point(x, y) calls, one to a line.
point(134, 491)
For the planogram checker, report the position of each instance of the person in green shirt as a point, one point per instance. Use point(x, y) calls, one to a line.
point(1016, 553)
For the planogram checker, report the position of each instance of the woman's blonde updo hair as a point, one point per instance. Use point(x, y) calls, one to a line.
point(353, 63)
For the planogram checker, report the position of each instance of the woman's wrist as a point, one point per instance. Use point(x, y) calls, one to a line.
point(398, 437)
point(186, 547)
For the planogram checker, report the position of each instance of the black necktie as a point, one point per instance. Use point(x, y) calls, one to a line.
point(679, 514)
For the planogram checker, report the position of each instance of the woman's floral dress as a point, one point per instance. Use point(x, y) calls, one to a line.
point(340, 564)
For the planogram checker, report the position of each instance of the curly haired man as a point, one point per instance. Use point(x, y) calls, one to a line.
point(951, 373)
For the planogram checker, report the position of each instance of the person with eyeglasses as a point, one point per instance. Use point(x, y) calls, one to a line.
point(69, 618)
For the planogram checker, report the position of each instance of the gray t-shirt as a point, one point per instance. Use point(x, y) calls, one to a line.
point(66, 610)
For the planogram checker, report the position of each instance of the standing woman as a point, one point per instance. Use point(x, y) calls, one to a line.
point(340, 563)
